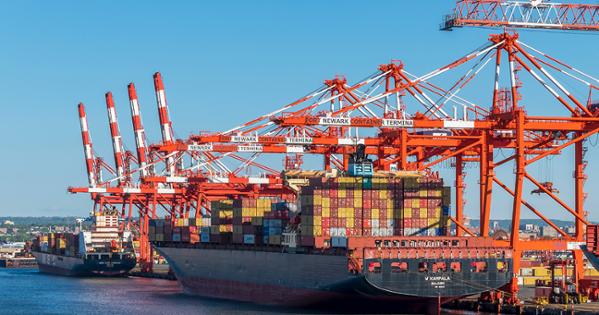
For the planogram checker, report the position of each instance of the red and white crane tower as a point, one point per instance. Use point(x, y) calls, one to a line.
point(407, 121)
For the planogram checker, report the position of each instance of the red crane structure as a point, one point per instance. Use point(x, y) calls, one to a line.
point(536, 14)
point(406, 121)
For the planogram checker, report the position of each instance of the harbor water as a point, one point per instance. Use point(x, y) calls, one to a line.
point(27, 291)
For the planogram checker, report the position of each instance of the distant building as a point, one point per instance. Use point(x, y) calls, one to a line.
point(524, 235)
point(549, 231)
point(532, 228)
point(3, 231)
point(8, 222)
point(496, 226)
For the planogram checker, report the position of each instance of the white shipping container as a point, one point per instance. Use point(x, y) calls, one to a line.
point(526, 271)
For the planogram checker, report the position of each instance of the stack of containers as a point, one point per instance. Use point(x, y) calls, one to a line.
point(382, 206)
point(71, 244)
point(221, 229)
point(248, 214)
point(205, 228)
point(187, 230)
point(274, 223)
point(333, 209)
point(426, 207)
point(336, 208)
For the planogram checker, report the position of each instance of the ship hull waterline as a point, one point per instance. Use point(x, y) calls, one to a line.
point(113, 266)
point(275, 278)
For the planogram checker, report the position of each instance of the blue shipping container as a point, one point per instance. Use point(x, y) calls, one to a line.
point(338, 241)
point(205, 237)
point(249, 239)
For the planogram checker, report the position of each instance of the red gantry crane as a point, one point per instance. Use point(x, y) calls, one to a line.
point(407, 121)
point(535, 14)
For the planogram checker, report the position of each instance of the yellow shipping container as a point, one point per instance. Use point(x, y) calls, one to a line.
point(318, 220)
point(350, 223)
point(407, 213)
point(326, 212)
point(423, 213)
point(326, 201)
point(415, 203)
point(531, 281)
point(375, 213)
point(541, 271)
point(259, 212)
point(341, 193)
point(345, 180)
point(389, 213)
point(317, 200)
point(384, 194)
point(357, 201)
point(357, 193)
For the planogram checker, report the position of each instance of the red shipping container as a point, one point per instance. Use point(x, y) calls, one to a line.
point(317, 210)
point(326, 222)
point(367, 203)
point(325, 193)
point(358, 223)
point(366, 231)
point(415, 214)
point(342, 202)
point(367, 213)
point(333, 221)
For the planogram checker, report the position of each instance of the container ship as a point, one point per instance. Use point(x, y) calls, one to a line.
point(382, 238)
point(105, 250)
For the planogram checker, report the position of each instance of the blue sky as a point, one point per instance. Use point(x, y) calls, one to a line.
point(223, 62)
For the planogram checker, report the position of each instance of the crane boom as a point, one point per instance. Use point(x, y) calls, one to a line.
point(523, 14)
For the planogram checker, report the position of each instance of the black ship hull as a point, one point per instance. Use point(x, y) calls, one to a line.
point(279, 278)
point(103, 265)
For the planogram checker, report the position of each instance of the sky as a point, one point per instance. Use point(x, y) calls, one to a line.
point(223, 63)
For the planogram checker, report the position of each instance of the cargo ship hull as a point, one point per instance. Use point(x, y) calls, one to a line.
point(105, 265)
point(279, 278)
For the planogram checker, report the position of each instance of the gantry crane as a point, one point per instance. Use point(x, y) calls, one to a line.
point(536, 14)
point(406, 121)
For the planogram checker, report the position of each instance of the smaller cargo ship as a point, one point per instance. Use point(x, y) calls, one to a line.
point(105, 250)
